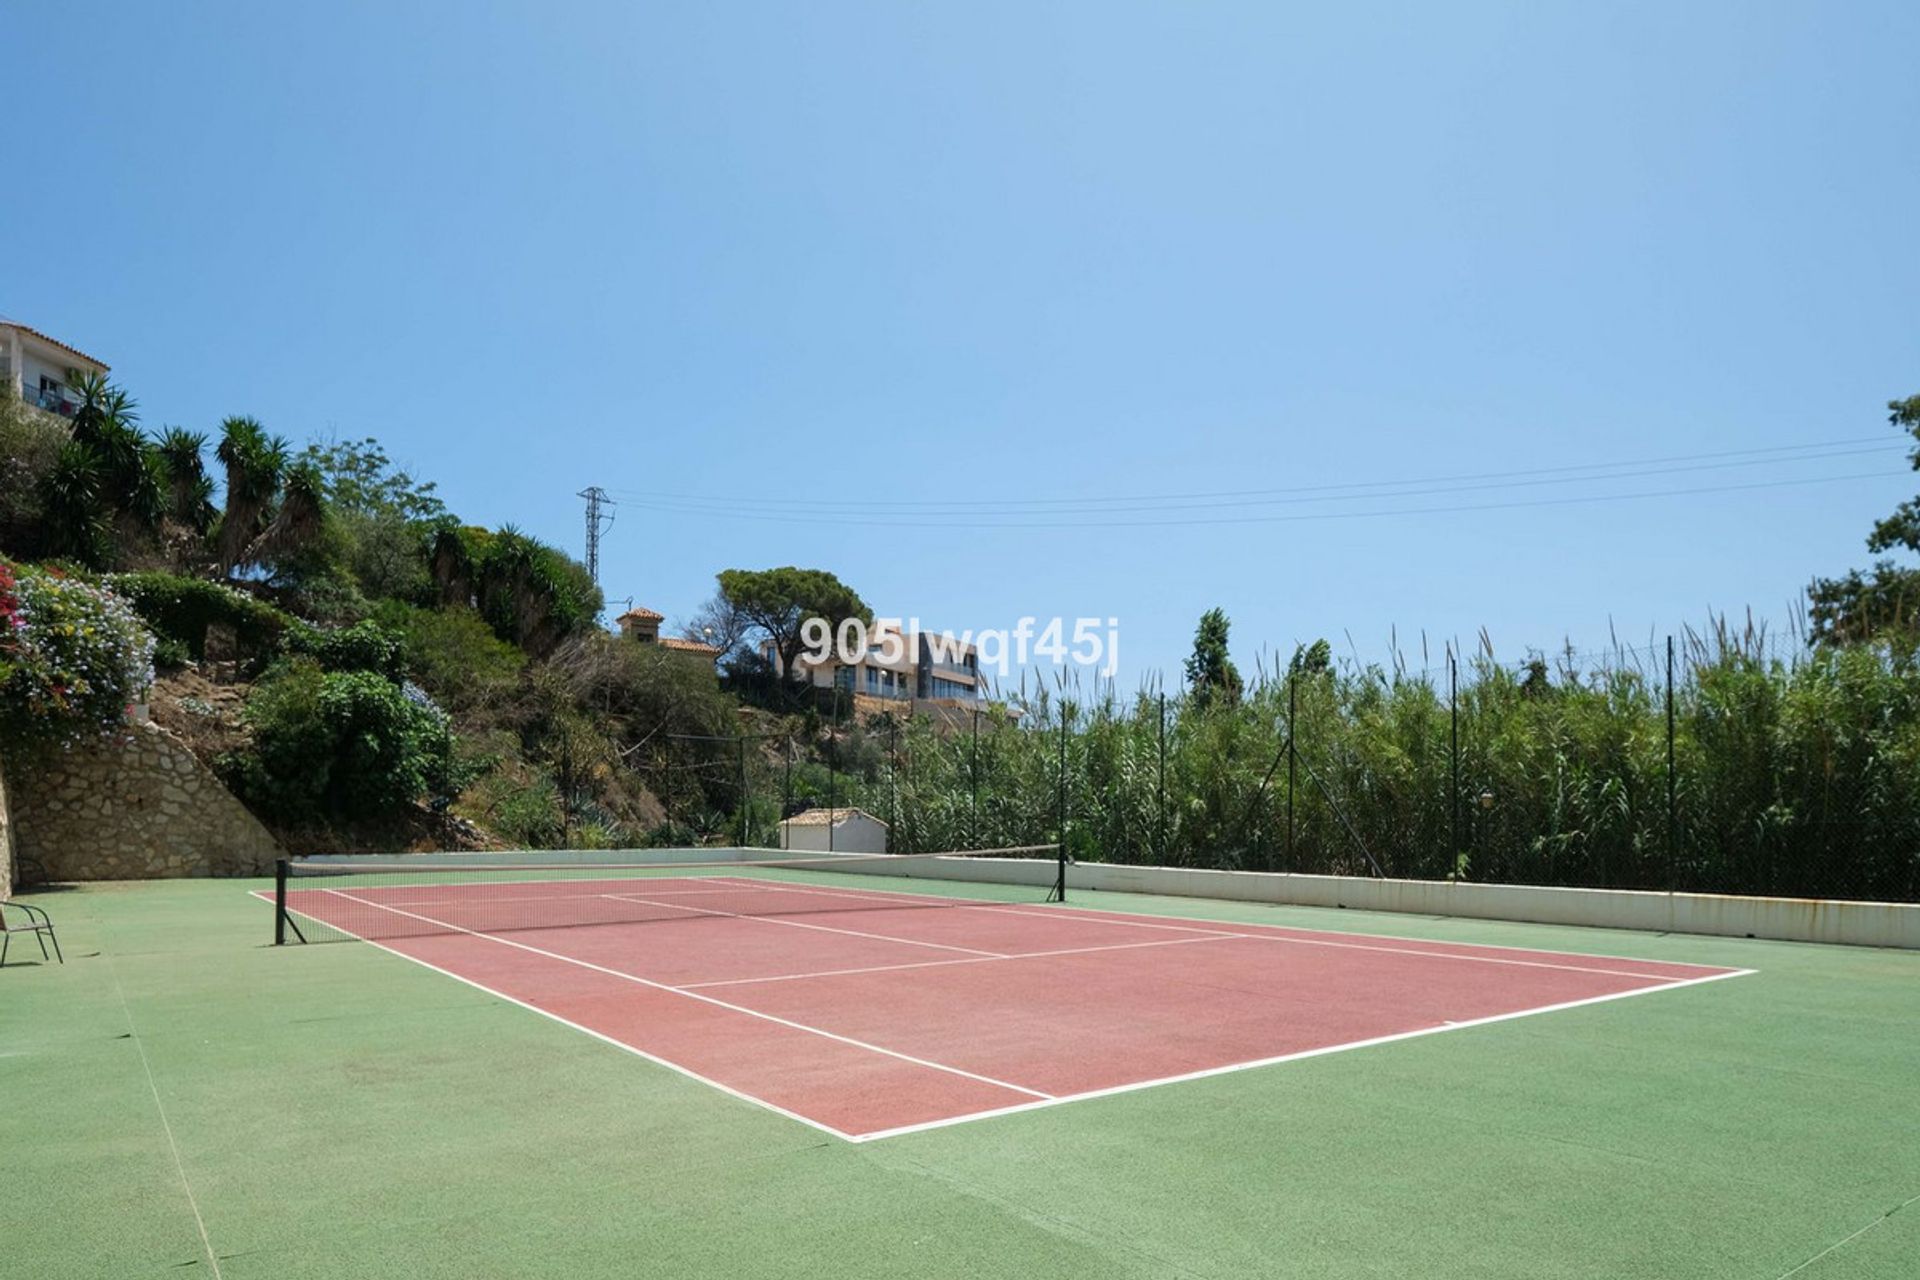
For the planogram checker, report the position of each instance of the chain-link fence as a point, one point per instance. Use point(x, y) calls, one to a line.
point(1725, 762)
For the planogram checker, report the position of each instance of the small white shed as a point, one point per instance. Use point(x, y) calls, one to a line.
point(834, 830)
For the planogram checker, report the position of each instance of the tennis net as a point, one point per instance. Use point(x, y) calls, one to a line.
point(419, 895)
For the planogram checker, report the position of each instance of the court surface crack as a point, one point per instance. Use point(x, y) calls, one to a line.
point(1844, 1241)
point(1052, 1223)
point(179, 1166)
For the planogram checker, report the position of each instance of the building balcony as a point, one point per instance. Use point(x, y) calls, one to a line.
point(53, 399)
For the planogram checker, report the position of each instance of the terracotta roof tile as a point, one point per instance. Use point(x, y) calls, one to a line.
point(6, 323)
point(822, 817)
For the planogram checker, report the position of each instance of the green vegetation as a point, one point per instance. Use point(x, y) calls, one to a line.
point(779, 602)
point(1794, 774)
point(349, 582)
point(345, 744)
point(184, 610)
point(73, 657)
point(1211, 675)
point(1885, 600)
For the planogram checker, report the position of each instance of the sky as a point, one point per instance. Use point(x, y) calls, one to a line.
point(965, 303)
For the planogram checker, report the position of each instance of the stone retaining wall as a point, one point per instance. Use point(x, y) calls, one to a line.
point(137, 807)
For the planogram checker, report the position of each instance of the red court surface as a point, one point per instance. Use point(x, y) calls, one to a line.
point(868, 1013)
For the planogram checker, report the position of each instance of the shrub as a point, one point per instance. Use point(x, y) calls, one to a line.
point(182, 609)
point(30, 444)
point(454, 654)
point(364, 646)
point(73, 657)
point(341, 744)
point(524, 811)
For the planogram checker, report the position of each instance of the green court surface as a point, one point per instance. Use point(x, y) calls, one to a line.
point(182, 1099)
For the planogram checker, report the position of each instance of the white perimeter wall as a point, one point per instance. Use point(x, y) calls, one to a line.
point(1865, 924)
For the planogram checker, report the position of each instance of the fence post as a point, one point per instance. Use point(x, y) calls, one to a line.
point(973, 779)
point(1453, 750)
point(746, 796)
point(1063, 778)
point(1673, 812)
point(1160, 804)
point(1060, 870)
point(1293, 863)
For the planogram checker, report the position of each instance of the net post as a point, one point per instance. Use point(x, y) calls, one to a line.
point(1059, 893)
point(279, 902)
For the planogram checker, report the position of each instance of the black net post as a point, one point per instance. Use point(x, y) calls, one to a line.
point(280, 902)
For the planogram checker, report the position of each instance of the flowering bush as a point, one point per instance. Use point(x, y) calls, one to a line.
point(73, 657)
point(340, 744)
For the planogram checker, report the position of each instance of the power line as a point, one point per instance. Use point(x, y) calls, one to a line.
point(1566, 474)
point(991, 522)
point(710, 506)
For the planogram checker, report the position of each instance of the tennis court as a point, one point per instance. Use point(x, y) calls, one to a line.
point(869, 1012)
point(187, 1098)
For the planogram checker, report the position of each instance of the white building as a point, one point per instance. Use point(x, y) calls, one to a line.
point(834, 831)
point(898, 664)
point(42, 369)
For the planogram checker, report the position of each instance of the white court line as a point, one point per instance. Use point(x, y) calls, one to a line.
point(934, 964)
point(1322, 1051)
point(1104, 915)
point(704, 999)
point(1326, 938)
point(1402, 951)
point(637, 1052)
point(968, 1118)
point(476, 900)
point(799, 924)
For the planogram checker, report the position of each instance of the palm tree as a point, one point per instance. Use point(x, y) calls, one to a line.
point(297, 523)
point(93, 390)
point(256, 465)
point(451, 560)
point(70, 497)
point(189, 491)
point(124, 476)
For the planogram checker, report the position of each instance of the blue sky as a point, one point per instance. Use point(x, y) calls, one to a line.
point(895, 259)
